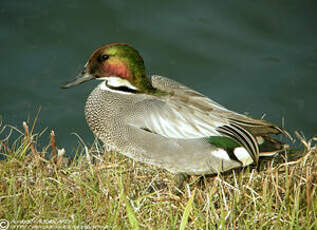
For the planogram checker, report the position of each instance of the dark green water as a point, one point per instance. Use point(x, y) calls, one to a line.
point(251, 56)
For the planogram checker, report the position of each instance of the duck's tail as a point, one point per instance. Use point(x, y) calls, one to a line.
point(262, 131)
point(254, 135)
point(269, 146)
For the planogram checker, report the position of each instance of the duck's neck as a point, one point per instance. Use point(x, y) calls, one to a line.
point(144, 85)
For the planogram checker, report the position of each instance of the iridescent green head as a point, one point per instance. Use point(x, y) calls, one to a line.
point(119, 64)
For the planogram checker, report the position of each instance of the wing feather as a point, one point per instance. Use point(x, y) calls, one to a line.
point(185, 113)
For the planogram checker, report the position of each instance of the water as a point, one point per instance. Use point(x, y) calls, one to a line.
point(251, 56)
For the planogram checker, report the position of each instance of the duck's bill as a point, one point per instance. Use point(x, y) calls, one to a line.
point(81, 78)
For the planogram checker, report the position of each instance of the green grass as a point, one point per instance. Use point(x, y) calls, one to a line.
point(111, 191)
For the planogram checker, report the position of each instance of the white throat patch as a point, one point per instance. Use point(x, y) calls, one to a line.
point(115, 82)
point(119, 82)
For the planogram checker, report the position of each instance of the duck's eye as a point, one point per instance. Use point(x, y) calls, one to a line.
point(103, 57)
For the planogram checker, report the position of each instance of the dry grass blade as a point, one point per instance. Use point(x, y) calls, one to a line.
point(53, 145)
point(29, 137)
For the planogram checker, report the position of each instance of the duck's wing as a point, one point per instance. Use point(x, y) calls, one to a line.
point(190, 96)
point(185, 93)
point(199, 101)
point(186, 114)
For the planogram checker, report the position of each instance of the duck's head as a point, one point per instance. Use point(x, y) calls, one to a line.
point(119, 65)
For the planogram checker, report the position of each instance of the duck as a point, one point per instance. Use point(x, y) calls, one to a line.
point(162, 122)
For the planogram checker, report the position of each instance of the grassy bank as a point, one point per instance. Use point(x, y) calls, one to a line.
point(43, 187)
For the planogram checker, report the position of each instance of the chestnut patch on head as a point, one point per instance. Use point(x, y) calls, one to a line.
point(116, 68)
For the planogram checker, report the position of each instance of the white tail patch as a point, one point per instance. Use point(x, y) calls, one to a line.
point(221, 154)
point(260, 140)
point(243, 155)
